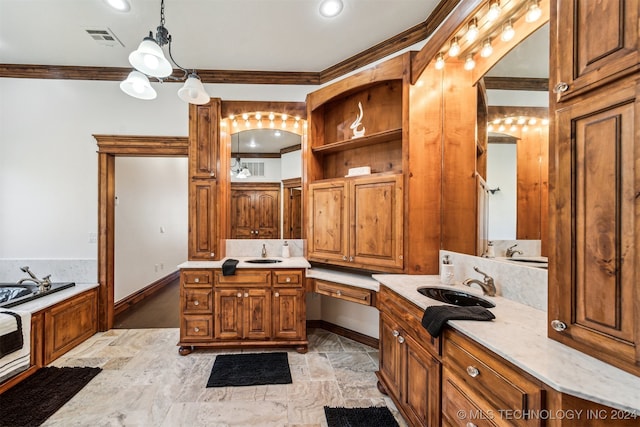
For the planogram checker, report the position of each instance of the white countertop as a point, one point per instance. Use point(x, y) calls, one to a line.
point(41, 303)
point(293, 262)
point(519, 335)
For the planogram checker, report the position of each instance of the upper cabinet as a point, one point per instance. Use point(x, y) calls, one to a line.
point(203, 139)
point(591, 55)
point(594, 303)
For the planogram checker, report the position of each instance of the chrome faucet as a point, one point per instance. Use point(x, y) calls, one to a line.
point(511, 252)
point(487, 285)
point(264, 251)
point(43, 285)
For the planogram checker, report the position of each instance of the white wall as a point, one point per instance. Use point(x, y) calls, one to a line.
point(291, 165)
point(151, 220)
point(502, 172)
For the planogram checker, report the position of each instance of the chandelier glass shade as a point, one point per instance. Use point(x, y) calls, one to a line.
point(149, 60)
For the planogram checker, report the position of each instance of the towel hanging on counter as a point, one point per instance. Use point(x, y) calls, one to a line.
point(229, 267)
point(435, 317)
point(11, 333)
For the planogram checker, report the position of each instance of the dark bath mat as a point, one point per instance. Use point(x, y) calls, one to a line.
point(360, 417)
point(250, 369)
point(38, 397)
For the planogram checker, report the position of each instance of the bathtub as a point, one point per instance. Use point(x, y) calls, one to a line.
point(13, 294)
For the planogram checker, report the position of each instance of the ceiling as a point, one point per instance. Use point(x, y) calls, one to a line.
point(252, 35)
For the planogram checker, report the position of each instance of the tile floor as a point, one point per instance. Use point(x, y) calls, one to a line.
point(145, 382)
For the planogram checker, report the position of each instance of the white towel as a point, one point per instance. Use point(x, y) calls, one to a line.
point(18, 361)
point(8, 323)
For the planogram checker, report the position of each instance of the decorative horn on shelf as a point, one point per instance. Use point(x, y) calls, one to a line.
point(494, 190)
point(357, 133)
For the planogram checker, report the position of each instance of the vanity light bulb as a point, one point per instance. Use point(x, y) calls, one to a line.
point(507, 32)
point(296, 125)
point(439, 62)
point(508, 121)
point(521, 120)
point(513, 128)
point(231, 117)
point(545, 121)
point(260, 123)
point(469, 63)
point(247, 124)
point(284, 124)
point(245, 116)
point(490, 127)
point(472, 30)
point(534, 12)
point(501, 128)
point(258, 116)
point(525, 128)
point(272, 116)
point(235, 123)
point(532, 121)
point(454, 48)
point(284, 117)
point(494, 11)
point(496, 121)
point(487, 49)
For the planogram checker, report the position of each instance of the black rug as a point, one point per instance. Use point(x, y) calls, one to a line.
point(38, 397)
point(359, 417)
point(250, 369)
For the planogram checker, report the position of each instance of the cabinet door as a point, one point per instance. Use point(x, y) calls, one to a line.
point(421, 391)
point(229, 307)
point(587, 56)
point(288, 313)
point(267, 214)
point(376, 221)
point(328, 222)
point(203, 139)
point(202, 219)
point(257, 313)
point(593, 272)
point(389, 366)
point(242, 215)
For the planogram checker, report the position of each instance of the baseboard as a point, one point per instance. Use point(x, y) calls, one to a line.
point(344, 332)
point(133, 299)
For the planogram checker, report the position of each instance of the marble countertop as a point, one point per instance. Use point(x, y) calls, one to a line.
point(39, 304)
point(293, 262)
point(519, 335)
point(344, 278)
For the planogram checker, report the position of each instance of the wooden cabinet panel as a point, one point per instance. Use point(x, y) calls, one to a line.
point(196, 328)
point(257, 313)
point(197, 278)
point(288, 278)
point(421, 395)
point(456, 401)
point(244, 277)
point(229, 317)
point(389, 354)
point(196, 301)
point(203, 240)
point(345, 292)
point(328, 221)
point(593, 275)
point(255, 211)
point(203, 139)
point(68, 324)
point(288, 313)
point(588, 58)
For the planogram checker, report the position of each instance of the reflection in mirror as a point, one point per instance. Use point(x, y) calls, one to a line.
point(262, 159)
point(517, 152)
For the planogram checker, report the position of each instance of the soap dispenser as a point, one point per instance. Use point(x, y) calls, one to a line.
point(285, 250)
point(446, 271)
point(491, 253)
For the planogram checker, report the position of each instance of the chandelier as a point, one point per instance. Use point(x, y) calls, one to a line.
point(149, 60)
point(237, 170)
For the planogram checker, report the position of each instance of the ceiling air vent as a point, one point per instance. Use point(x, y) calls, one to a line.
point(104, 36)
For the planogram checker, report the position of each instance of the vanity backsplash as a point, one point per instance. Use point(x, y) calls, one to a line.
point(253, 247)
point(524, 284)
point(61, 270)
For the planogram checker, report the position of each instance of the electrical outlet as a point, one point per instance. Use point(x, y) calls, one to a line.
point(93, 237)
point(161, 266)
point(156, 267)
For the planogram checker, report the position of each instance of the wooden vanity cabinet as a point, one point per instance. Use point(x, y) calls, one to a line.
point(409, 367)
point(594, 302)
point(344, 292)
point(357, 222)
point(196, 305)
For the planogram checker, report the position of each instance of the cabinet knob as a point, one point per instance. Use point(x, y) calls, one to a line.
point(401, 339)
point(470, 424)
point(239, 294)
point(339, 293)
point(212, 254)
point(558, 325)
point(350, 259)
point(196, 329)
point(246, 294)
point(277, 294)
point(288, 279)
point(472, 371)
point(257, 231)
point(396, 333)
point(196, 302)
point(344, 258)
point(212, 174)
point(560, 87)
point(197, 280)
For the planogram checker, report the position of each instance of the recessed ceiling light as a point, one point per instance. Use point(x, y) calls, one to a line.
point(119, 5)
point(330, 8)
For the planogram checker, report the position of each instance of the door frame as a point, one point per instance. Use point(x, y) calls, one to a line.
point(110, 147)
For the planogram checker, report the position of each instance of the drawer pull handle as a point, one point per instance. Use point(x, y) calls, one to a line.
point(473, 371)
point(196, 329)
point(196, 302)
point(470, 424)
point(558, 325)
point(401, 339)
point(560, 87)
point(197, 280)
point(277, 294)
point(396, 333)
point(239, 294)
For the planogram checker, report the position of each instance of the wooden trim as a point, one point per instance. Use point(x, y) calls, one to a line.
point(257, 155)
point(506, 139)
point(501, 112)
point(517, 83)
point(128, 302)
point(109, 147)
point(255, 186)
point(292, 183)
point(238, 107)
point(344, 332)
point(290, 149)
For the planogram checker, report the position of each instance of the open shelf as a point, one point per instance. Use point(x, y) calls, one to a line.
point(375, 138)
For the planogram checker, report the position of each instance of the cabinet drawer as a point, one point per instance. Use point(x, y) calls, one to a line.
point(197, 301)
point(196, 328)
point(197, 278)
point(345, 292)
point(458, 408)
point(244, 278)
point(410, 316)
point(288, 278)
point(502, 386)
